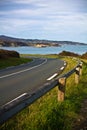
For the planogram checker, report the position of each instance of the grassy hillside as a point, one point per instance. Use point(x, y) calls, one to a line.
point(13, 62)
point(67, 53)
point(4, 54)
point(49, 114)
point(11, 58)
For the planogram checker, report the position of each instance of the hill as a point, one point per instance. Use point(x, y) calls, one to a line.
point(10, 41)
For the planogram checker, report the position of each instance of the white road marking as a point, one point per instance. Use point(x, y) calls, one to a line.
point(24, 94)
point(65, 63)
point(23, 70)
point(52, 76)
point(62, 68)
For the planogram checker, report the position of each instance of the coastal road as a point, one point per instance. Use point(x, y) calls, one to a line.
point(27, 78)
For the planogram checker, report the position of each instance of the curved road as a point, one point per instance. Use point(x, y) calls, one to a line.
point(27, 78)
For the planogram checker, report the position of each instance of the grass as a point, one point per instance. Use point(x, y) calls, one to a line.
point(49, 114)
point(41, 56)
point(13, 62)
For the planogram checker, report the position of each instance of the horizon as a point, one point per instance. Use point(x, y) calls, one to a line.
point(44, 20)
point(39, 39)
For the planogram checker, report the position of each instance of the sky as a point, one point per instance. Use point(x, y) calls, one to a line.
point(61, 20)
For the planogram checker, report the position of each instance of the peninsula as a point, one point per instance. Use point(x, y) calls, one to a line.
point(6, 41)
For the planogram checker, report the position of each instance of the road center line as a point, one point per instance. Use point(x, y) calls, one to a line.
point(64, 63)
point(52, 76)
point(62, 68)
point(23, 70)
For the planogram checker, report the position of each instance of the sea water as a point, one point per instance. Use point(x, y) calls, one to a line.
point(79, 49)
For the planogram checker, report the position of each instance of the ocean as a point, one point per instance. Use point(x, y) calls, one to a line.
point(79, 49)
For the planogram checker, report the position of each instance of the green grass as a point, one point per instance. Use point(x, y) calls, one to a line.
point(13, 62)
point(41, 55)
point(49, 114)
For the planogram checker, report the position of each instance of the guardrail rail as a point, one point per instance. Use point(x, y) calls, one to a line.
point(9, 110)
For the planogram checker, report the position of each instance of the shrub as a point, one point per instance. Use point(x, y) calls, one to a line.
point(84, 56)
point(7, 54)
point(67, 53)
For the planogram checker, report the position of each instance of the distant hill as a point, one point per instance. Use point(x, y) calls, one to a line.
point(10, 41)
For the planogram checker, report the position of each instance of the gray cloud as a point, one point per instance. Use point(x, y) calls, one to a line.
point(47, 16)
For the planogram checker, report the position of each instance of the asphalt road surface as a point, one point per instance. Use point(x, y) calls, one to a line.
point(27, 78)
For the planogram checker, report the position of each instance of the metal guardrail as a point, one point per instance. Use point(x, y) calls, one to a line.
point(10, 109)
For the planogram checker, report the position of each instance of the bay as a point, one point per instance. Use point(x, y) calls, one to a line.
point(79, 49)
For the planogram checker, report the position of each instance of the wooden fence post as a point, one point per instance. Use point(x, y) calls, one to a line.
point(80, 68)
point(61, 90)
point(77, 74)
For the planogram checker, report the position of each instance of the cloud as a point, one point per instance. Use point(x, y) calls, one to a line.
point(55, 23)
point(33, 3)
point(18, 22)
point(46, 17)
point(67, 24)
point(39, 8)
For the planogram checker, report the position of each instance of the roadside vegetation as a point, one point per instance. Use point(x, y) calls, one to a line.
point(11, 58)
point(49, 114)
point(8, 54)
